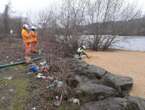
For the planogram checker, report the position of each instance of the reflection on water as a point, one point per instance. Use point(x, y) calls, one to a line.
point(131, 43)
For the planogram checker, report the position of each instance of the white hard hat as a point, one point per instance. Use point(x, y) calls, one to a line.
point(84, 47)
point(26, 26)
point(33, 27)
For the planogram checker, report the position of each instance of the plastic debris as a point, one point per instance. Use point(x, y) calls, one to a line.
point(34, 108)
point(50, 78)
point(60, 84)
point(75, 101)
point(40, 75)
point(44, 67)
point(56, 83)
point(11, 90)
point(8, 78)
point(58, 100)
point(34, 68)
point(28, 60)
point(43, 63)
point(11, 62)
point(3, 98)
point(40, 51)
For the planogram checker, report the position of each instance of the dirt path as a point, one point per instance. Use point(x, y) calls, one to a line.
point(123, 63)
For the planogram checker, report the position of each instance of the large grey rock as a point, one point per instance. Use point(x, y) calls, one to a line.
point(136, 103)
point(129, 103)
point(82, 68)
point(94, 71)
point(93, 89)
point(107, 104)
point(121, 83)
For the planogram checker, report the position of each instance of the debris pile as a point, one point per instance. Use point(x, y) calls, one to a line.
point(84, 86)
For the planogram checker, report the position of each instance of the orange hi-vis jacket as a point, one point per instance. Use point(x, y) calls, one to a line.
point(25, 36)
point(34, 36)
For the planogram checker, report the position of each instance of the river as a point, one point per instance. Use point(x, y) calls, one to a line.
point(134, 43)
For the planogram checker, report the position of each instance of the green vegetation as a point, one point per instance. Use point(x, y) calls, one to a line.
point(16, 99)
point(21, 94)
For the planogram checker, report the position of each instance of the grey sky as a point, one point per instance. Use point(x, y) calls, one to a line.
point(24, 7)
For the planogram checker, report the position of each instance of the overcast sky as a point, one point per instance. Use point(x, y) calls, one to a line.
point(24, 7)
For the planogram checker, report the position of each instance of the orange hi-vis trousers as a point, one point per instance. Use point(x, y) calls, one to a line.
point(34, 42)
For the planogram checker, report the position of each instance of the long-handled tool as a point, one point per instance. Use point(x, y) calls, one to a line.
point(18, 63)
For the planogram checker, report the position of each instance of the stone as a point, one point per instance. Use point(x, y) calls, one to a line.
point(95, 71)
point(121, 83)
point(93, 89)
point(107, 104)
point(136, 103)
point(90, 71)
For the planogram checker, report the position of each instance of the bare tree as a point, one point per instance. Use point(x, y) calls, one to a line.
point(102, 12)
point(6, 18)
point(71, 18)
point(98, 17)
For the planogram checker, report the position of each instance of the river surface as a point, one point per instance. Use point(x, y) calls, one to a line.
point(135, 43)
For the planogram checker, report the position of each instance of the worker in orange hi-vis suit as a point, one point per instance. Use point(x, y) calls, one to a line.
point(34, 37)
point(27, 42)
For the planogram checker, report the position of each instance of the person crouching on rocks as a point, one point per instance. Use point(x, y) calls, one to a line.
point(81, 51)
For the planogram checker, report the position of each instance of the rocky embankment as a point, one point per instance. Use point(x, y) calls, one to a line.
point(99, 89)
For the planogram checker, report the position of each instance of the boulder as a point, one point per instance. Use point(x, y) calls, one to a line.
point(107, 104)
point(121, 83)
point(90, 71)
point(129, 103)
point(94, 71)
point(136, 103)
point(93, 89)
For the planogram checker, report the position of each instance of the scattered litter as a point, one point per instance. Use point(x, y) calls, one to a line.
point(60, 84)
point(50, 78)
point(11, 62)
point(11, 90)
point(8, 78)
point(56, 83)
point(34, 108)
point(40, 75)
point(28, 60)
point(44, 66)
point(75, 101)
point(44, 69)
point(33, 68)
point(40, 51)
point(58, 100)
point(3, 98)
point(43, 63)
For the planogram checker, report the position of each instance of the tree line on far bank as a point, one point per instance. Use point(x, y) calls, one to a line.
point(74, 18)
